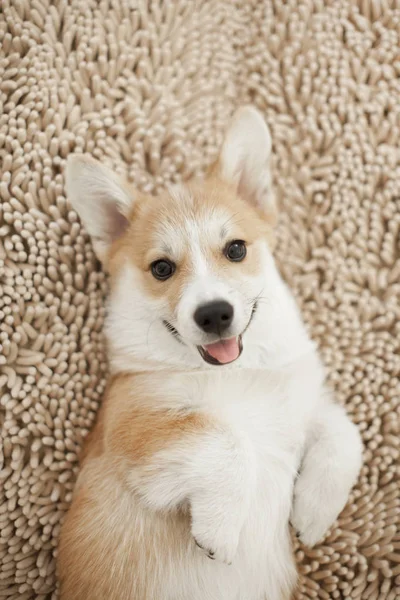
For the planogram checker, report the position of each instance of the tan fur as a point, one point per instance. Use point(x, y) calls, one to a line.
point(136, 433)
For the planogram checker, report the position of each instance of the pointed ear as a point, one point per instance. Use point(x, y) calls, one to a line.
point(244, 161)
point(100, 199)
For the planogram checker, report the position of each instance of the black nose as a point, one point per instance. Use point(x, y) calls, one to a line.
point(214, 317)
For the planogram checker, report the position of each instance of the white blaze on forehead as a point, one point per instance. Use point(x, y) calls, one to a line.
point(196, 249)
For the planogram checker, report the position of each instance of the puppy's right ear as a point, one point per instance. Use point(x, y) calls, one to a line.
point(244, 161)
point(100, 199)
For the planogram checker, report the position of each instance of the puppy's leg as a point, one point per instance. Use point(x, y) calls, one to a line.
point(208, 468)
point(330, 467)
point(221, 483)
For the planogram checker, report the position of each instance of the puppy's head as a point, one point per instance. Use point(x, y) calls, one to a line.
point(189, 268)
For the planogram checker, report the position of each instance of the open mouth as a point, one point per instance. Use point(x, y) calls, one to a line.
point(222, 352)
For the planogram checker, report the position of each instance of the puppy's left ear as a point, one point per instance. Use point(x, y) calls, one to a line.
point(102, 201)
point(244, 161)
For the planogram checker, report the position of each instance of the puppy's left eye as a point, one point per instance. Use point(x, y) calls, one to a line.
point(236, 250)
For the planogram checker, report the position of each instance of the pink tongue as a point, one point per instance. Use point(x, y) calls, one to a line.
point(224, 351)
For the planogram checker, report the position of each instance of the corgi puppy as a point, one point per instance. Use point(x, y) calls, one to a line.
point(217, 429)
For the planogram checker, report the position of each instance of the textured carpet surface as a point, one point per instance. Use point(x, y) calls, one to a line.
point(149, 87)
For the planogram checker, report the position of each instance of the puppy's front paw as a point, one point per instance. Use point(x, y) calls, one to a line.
point(315, 510)
point(223, 550)
point(216, 526)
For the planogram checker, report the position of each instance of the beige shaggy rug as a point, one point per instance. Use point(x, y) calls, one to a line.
point(149, 86)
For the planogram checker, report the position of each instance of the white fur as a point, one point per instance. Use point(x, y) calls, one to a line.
point(273, 412)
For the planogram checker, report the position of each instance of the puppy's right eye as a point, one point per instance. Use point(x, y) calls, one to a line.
point(162, 269)
point(236, 250)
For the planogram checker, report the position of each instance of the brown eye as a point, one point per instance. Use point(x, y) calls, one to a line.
point(162, 269)
point(236, 250)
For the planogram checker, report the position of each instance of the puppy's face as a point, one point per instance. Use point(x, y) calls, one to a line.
point(197, 257)
point(188, 269)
